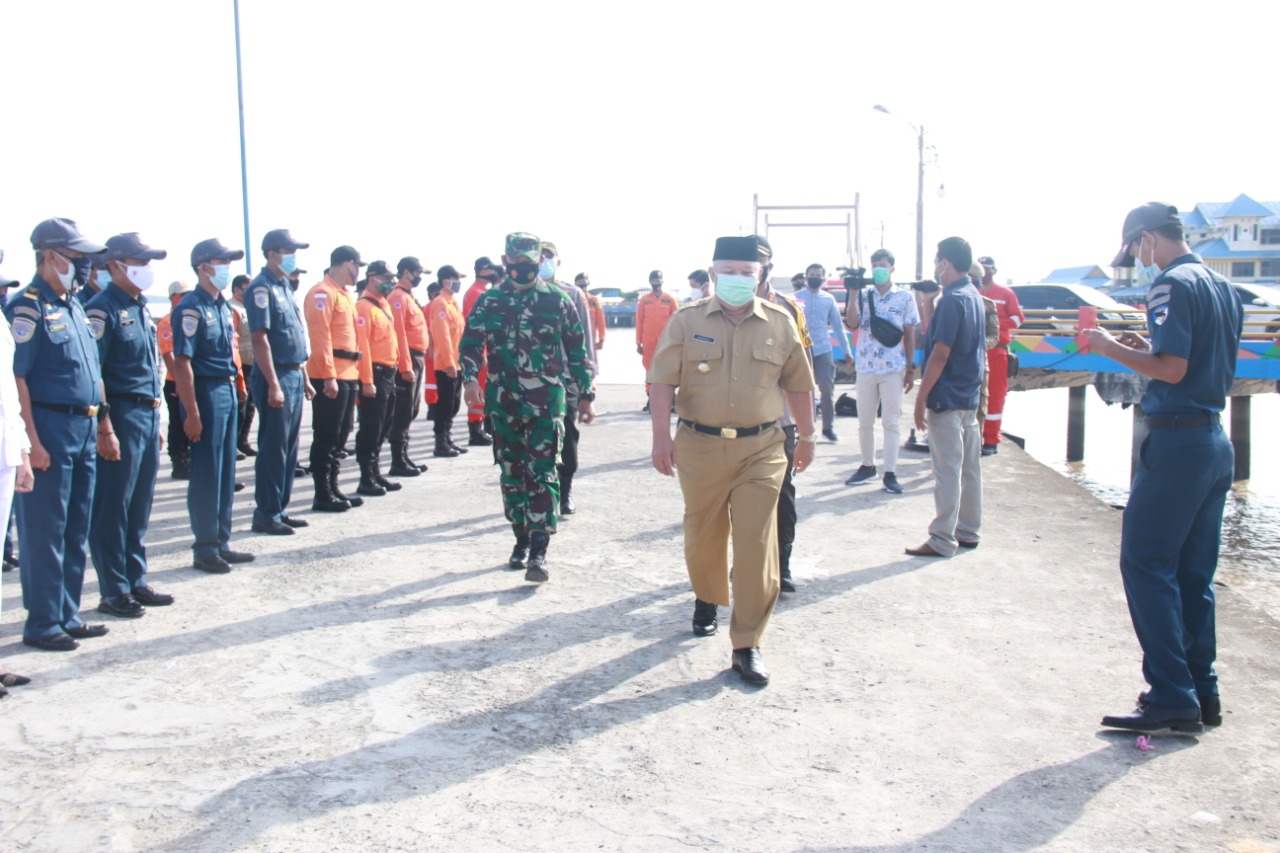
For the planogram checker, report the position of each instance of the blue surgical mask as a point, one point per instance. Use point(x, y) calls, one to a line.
point(288, 263)
point(221, 277)
point(101, 278)
point(1147, 273)
point(547, 269)
point(880, 275)
point(735, 290)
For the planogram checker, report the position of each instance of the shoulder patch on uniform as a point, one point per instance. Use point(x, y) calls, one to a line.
point(397, 304)
point(261, 298)
point(27, 310)
point(166, 332)
point(359, 319)
point(1160, 314)
point(23, 329)
point(321, 298)
point(97, 322)
point(190, 322)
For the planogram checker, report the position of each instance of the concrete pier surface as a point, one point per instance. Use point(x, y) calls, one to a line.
point(381, 682)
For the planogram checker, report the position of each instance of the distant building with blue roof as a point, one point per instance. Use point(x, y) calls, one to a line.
point(1239, 239)
point(1089, 276)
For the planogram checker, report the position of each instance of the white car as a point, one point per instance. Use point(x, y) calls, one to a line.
point(1261, 303)
point(1070, 297)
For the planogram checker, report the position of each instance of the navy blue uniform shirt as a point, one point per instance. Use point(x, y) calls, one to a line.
point(1193, 313)
point(958, 322)
point(126, 343)
point(55, 350)
point(202, 332)
point(269, 306)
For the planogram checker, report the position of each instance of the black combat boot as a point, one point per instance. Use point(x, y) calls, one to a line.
point(389, 485)
point(479, 438)
point(368, 485)
point(443, 447)
point(334, 467)
point(537, 570)
point(519, 554)
point(409, 462)
point(784, 568)
point(567, 506)
point(400, 464)
point(181, 466)
point(325, 499)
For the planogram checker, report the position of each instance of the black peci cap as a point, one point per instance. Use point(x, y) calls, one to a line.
point(736, 249)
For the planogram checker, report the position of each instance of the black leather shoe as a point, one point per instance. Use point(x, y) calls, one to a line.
point(750, 665)
point(1211, 710)
point(829, 435)
point(397, 470)
point(247, 450)
point(240, 456)
point(56, 643)
point(272, 528)
point(122, 605)
point(704, 618)
point(214, 565)
point(236, 556)
point(990, 449)
point(567, 506)
point(295, 522)
point(239, 487)
point(457, 447)
point(1155, 718)
point(12, 679)
point(519, 554)
point(87, 632)
point(966, 544)
point(144, 594)
point(785, 583)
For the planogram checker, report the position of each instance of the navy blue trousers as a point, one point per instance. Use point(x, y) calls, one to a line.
point(1168, 556)
point(122, 499)
point(278, 434)
point(53, 524)
point(213, 467)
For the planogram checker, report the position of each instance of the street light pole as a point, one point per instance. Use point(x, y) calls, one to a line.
point(244, 169)
point(920, 208)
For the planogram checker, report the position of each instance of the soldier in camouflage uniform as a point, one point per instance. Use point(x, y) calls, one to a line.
point(522, 324)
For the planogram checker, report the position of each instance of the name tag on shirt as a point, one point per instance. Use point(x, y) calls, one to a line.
point(706, 339)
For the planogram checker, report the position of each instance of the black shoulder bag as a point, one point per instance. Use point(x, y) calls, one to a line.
point(882, 328)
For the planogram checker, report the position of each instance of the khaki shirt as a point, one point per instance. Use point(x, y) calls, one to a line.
point(731, 376)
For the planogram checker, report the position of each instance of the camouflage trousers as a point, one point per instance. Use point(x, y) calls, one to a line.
point(527, 449)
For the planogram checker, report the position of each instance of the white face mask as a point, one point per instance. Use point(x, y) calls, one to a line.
point(140, 277)
point(66, 278)
point(547, 269)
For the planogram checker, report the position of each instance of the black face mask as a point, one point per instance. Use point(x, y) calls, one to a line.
point(813, 281)
point(293, 285)
point(656, 285)
point(524, 272)
point(417, 280)
point(84, 269)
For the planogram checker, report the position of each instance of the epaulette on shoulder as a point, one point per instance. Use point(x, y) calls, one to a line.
point(32, 292)
point(778, 308)
point(703, 301)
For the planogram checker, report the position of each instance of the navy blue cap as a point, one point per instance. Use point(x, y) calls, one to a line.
point(410, 264)
point(61, 233)
point(1149, 217)
point(129, 245)
point(342, 254)
point(483, 263)
point(280, 240)
point(447, 271)
point(213, 250)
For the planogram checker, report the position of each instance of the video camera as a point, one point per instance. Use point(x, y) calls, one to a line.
point(855, 278)
point(926, 286)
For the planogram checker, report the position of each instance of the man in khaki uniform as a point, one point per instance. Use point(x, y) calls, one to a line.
point(735, 358)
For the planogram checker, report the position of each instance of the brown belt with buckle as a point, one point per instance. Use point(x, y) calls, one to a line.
point(727, 432)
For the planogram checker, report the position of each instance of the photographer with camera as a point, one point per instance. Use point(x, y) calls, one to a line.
point(822, 314)
point(886, 318)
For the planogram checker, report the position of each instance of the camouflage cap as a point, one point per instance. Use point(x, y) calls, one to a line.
point(548, 246)
point(522, 244)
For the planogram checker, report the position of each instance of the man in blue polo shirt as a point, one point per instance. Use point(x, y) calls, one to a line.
point(55, 365)
point(125, 488)
point(1173, 521)
point(955, 351)
point(822, 314)
point(203, 338)
point(278, 381)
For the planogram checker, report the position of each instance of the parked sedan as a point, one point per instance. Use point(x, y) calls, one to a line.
point(1070, 298)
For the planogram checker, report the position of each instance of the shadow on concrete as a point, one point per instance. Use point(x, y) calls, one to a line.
point(441, 755)
point(1031, 809)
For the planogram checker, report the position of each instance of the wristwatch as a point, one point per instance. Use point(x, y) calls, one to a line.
point(589, 396)
point(812, 438)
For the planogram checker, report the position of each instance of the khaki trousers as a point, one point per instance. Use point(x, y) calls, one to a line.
point(731, 492)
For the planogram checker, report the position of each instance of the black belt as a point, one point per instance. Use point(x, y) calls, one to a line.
point(139, 399)
point(727, 432)
point(83, 411)
point(347, 354)
point(1183, 421)
point(420, 353)
point(384, 368)
point(215, 379)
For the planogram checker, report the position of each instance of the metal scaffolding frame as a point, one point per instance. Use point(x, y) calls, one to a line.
point(852, 223)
